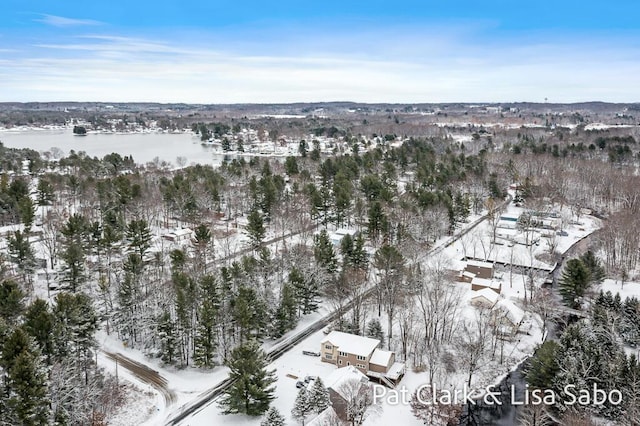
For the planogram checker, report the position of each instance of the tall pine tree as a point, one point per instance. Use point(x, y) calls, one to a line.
point(251, 391)
point(574, 282)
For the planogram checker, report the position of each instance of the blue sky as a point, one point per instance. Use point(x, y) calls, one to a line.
point(375, 51)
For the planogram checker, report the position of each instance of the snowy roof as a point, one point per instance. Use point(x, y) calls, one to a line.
point(468, 274)
point(487, 293)
point(479, 264)
point(512, 312)
point(350, 343)
point(484, 282)
point(396, 370)
point(344, 375)
point(181, 232)
point(381, 357)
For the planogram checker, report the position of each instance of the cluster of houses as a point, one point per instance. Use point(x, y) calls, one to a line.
point(486, 294)
point(527, 227)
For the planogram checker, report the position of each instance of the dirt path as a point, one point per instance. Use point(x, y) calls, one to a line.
point(146, 374)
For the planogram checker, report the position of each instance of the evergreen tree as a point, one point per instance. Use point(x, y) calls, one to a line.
point(593, 264)
point(374, 330)
point(359, 256)
point(166, 334)
point(286, 313)
point(543, 366)
point(319, 396)
point(16, 342)
point(323, 252)
point(248, 312)
point(74, 270)
point(139, 237)
point(45, 192)
point(346, 249)
point(205, 340)
point(28, 401)
point(27, 212)
point(377, 220)
point(75, 323)
point(272, 416)
point(291, 166)
point(306, 291)
point(201, 240)
point(11, 300)
point(255, 229)
point(302, 406)
point(251, 391)
point(574, 282)
point(39, 322)
point(21, 253)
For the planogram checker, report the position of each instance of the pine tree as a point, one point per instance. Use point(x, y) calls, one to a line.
point(273, 416)
point(21, 253)
point(593, 264)
point(319, 396)
point(543, 366)
point(11, 300)
point(139, 237)
point(346, 249)
point(248, 312)
point(302, 406)
point(286, 313)
point(74, 250)
point(377, 220)
point(323, 252)
point(16, 342)
point(28, 397)
point(359, 256)
point(255, 229)
point(39, 322)
point(574, 282)
point(306, 291)
point(166, 334)
point(205, 340)
point(374, 330)
point(251, 391)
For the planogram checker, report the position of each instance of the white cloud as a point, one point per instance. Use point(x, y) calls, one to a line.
point(443, 69)
point(61, 21)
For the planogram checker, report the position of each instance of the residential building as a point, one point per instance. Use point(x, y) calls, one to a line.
point(363, 353)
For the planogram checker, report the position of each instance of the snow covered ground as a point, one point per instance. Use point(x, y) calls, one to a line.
point(625, 289)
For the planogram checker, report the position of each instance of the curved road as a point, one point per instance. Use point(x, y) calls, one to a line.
point(146, 375)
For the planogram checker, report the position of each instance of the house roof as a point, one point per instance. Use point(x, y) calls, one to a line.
point(344, 375)
point(484, 282)
point(512, 312)
point(479, 264)
point(351, 343)
point(487, 293)
point(381, 357)
point(181, 232)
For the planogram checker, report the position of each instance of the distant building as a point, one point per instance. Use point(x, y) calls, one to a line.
point(485, 297)
point(179, 235)
point(509, 317)
point(337, 236)
point(479, 269)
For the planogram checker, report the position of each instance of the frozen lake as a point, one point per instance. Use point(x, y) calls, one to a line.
point(144, 147)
